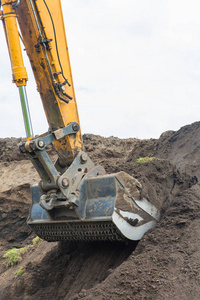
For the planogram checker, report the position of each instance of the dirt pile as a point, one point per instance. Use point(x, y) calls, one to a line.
point(163, 265)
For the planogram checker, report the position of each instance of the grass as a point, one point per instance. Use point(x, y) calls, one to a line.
point(20, 272)
point(13, 256)
point(36, 240)
point(142, 160)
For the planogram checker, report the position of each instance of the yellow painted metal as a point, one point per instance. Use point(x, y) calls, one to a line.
point(10, 26)
point(34, 20)
point(47, 59)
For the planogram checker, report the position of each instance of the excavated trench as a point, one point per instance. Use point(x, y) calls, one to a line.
point(71, 266)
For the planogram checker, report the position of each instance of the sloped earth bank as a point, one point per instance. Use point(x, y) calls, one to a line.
point(163, 265)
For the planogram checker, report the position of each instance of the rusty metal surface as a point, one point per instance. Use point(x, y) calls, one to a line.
point(108, 207)
point(128, 198)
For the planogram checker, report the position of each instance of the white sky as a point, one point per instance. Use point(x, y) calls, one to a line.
point(135, 64)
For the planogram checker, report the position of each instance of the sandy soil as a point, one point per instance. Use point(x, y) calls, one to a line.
point(163, 265)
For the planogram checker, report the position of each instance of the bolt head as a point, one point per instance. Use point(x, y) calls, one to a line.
point(83, 158)
point(41, 143)
point(65, 182)
point(75, 127)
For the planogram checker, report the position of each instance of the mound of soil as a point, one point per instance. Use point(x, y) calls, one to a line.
point(163, 265)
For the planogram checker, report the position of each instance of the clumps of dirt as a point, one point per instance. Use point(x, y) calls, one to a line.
point(182, 147)
point(70, 267)
point(163, 265)
point(9, 150)
point(14, 209)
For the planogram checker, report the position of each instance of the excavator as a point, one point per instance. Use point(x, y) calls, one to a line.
point(75, 200)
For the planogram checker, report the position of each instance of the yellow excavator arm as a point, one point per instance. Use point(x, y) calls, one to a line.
point(43, 34)
point(75, 200)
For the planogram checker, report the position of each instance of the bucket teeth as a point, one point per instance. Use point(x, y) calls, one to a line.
point(78, 231)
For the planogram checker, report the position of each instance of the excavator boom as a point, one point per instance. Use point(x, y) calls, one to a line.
point(75, 200)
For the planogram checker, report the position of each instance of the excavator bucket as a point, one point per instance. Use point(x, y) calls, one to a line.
point(83, 203)
point(105, 207)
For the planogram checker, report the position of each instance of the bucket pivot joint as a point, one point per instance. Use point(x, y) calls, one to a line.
point(59, 186)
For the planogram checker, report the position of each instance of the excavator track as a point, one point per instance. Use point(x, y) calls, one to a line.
point(78, 231)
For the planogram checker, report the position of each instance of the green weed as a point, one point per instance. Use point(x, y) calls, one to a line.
point(13, 256)
point(20, 272)
point(36, 240)
point(142, 160)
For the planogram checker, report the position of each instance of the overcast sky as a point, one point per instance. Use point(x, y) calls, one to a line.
point(135, 64)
